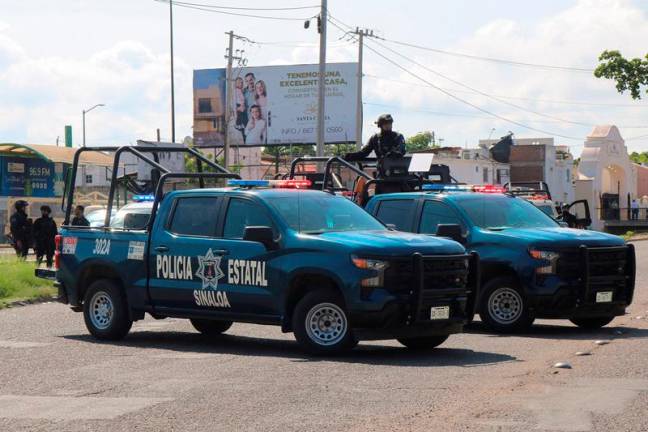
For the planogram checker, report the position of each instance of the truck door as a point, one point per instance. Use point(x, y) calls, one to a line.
point(581, 212)
point(249, 275)
point(185, 255)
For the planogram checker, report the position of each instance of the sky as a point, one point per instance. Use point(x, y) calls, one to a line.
point(57, 58)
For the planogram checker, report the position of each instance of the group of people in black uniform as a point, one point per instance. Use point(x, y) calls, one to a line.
point(38, 234)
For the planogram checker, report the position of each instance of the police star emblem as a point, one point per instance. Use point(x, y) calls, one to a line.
point(209, 270)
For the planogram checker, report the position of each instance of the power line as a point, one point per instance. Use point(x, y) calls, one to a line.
point(551, 101)
point(222, 12)
point(476, 57)
point(393, 62)
point(491, 59)
point(211, 6)
point(482, 93)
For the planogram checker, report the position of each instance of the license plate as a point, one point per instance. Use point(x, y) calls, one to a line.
point(440, 313)
point(604, 297)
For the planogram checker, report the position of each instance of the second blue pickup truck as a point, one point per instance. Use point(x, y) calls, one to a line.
point(531, 266)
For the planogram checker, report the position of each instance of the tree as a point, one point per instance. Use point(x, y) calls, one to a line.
point(640, 158)
point(420, 141)
point(629, 74)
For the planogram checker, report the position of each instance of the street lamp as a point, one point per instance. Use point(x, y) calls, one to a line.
point(84, 113)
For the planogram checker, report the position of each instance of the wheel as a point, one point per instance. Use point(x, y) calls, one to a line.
point(105, 311)
point(503, 307)
point(211, 327)
point(592, 323)
point(423, 343)
point(321, 324)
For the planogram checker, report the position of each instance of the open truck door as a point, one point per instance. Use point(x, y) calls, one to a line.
point(576, 214)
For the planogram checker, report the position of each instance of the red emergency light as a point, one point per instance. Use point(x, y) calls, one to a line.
point(292, 184)
point(489, 189)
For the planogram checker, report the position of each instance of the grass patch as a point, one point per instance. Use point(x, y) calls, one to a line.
point(17, 282)
point(628, 235)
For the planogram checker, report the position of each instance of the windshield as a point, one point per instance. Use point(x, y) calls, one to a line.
point(320, 213)
point(131, 217)
point(502, 212)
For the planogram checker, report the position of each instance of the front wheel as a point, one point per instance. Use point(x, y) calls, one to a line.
point(592, 323)
point(211, 327)
point(503, 307)
point(423, 343)
point(105, 311)
point(321, 324)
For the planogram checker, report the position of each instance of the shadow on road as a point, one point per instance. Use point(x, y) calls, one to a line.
point(548, 331)
point(251, 346)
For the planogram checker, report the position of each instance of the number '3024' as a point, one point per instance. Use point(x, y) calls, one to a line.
point(102, 247)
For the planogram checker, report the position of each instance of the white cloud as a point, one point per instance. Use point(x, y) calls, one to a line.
point(575, 36)
point(41, 95)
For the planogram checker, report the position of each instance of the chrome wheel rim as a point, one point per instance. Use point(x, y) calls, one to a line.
point(326, 324)
point(101, 310)
point(505, 306)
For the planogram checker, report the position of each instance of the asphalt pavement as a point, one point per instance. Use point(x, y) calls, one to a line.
point(166, 377)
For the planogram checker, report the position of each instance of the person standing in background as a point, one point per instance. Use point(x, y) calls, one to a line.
point(44, 232)
point(79, 219)
point(20, 227)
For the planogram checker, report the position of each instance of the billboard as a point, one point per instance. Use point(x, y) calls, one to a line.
point(274, 105)
point(30, 177)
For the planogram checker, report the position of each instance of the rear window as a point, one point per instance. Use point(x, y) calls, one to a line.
point(397, 213)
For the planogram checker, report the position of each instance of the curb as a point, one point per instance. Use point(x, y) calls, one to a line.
point(20, 303)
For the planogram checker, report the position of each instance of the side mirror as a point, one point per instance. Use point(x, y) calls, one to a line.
point(261, 234)
point(451, 231)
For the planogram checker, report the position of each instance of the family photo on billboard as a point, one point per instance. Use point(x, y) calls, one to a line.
point(251, 108)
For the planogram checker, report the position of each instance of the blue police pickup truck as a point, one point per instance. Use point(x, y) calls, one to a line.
point(531, 266)
point(311, 262)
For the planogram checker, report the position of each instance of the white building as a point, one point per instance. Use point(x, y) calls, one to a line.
point(539, 159)
point(472, 166)
point(607, 178)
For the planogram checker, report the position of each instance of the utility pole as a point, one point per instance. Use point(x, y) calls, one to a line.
point(321, 84)
point(361, 33)
point(229, 55)
point(172, 84)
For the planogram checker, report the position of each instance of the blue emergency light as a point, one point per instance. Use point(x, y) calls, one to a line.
point(143, 198)
point(441, 187)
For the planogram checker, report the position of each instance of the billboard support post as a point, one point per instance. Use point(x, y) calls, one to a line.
point(321, 94)
point(228, 93)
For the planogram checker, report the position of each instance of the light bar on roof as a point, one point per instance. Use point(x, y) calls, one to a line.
point(489, 189)
point(287, 184)
point(143, 198)
point(441, 187)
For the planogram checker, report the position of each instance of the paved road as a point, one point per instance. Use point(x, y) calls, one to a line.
point(165, 377)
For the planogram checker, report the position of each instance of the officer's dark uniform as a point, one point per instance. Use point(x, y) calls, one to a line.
point(44, 233)
point(80, 221)
point(20, 227)
point(384, 144)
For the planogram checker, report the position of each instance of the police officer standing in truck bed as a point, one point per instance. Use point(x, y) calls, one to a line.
point(385, 143)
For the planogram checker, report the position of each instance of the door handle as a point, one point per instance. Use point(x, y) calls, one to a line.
point(221, 251)
point(162, 249)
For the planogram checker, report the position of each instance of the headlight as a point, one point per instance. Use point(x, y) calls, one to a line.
point(368, 264)
point(550, 258)
point(371, 264)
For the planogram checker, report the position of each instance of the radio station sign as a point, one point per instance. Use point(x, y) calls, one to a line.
point(274, 105)
point(28, 177)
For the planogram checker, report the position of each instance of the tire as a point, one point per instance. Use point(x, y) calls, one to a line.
point(503, 306)
point(321, 323)
point(423, 343)
point(105, 311)
point(592, 323)
point(211, 327)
